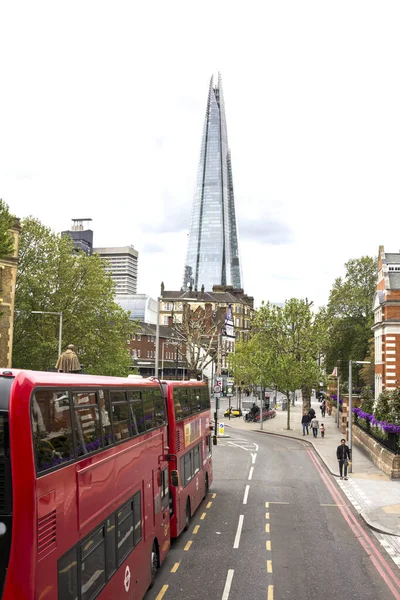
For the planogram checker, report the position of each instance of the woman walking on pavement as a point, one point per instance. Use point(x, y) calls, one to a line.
point(315, 426)
point(323, 408)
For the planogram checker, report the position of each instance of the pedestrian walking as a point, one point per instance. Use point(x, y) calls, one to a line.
point(305, 421)
point(315, 426)
point(322, 430)
point(343, 456)
point(323, 408)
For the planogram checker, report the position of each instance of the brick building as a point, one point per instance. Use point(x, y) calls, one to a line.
point(242, 305)
point(226, 305)
point(142, 346)
point(386, 328)
point(8, 277)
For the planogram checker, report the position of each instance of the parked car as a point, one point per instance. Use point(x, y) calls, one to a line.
point(234, 412)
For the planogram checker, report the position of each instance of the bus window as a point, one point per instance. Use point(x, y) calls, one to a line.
point(185, 402)
point(68, 576)
point(87, 423)
point(137, 519)
point(159, 407)
point(120, 416)
point(164, 489)
point(196, 400)
point(51, 429)
point(137, 414)
point(110, 546)
point(148, 405)
point(125, 531)
point(177, 403)
point(4, 436)
point(196, 459)
point(105, 414)
point(186, 468)
point(93, 568)
point(204, 398)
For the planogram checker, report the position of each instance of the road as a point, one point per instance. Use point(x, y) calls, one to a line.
point(275, 526)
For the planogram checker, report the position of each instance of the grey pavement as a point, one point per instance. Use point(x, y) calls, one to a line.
point(375, 497)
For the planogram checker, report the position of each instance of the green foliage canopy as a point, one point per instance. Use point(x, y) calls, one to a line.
point(350, 315)
point(284, 347)
point(51, 277)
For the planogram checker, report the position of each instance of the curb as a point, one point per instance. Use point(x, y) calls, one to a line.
point(378, 528)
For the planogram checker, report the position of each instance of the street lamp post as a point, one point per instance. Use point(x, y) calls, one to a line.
point(46, 312)
point(356, 362)
point(157, 338)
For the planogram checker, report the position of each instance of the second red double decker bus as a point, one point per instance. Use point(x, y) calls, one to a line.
point(190, 448)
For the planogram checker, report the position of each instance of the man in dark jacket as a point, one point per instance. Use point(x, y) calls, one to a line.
point(343, 456)
point(305, 421)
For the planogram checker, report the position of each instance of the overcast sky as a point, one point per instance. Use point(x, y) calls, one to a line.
point(101, 113)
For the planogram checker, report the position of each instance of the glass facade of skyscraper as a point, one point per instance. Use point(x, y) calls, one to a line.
point(213, 252)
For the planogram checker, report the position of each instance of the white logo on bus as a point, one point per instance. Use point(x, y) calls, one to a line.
point(127, 579)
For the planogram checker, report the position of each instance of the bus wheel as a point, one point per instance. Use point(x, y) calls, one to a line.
point(187, 516)
point(154, 563)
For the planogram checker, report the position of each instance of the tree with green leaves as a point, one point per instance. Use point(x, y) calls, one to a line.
point(53, 278)
point(6, 224)
point(382, 406)
point(284, 348)
point(394, 407)
point(350, 315)
point(367, 399)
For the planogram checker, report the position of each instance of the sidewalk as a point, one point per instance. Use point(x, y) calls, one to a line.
point(372, 493)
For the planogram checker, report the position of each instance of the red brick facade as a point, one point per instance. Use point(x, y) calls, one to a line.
point(387, 322)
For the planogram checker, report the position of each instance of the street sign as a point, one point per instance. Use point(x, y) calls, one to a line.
point(221, 429)
point(217, 389)
point(219, 382)
point(229, 391)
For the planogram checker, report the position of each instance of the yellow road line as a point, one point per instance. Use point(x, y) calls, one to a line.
point(332, 505)
point(195, 530)
point(209, 505)
point(162, 592)
point(267, 505)
point(203, 516)
point(270, 592)
point(175, 568)
point(267, 515)
point(213, 496)
point(268, 545)
point(267, 528)
point(186, 548)
point(269, 566)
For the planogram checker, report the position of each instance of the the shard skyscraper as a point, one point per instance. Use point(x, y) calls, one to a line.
point(213, 251)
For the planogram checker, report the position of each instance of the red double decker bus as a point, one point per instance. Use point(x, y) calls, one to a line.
point(84, 494)
point(190, 448)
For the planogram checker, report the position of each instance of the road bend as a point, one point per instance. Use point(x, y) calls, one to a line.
point(274, 526)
